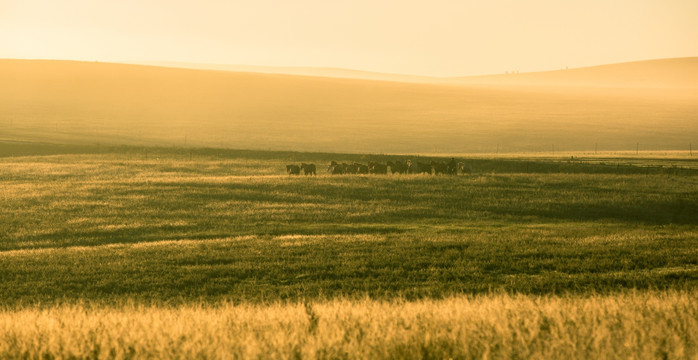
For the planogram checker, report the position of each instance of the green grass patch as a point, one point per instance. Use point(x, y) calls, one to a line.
point(171, 225)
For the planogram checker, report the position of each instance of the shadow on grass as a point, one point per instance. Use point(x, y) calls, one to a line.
point(268, 269)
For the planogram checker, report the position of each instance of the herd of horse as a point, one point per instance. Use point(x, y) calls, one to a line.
point(395, 167)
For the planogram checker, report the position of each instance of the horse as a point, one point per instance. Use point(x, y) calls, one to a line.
point(375, 168)
point(439, 167)
point(293, 169)
point(361, 168)
point(335, 168)
point(412, 168)
point(463, 168)
point(452, 167)
point(351, 168)
point(418, 167)
point(308, 169)
point(424, 168)
point(397, 167)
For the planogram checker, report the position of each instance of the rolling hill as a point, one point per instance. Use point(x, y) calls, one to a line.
point(678, 73)
point(298, 70)
point(90, 102)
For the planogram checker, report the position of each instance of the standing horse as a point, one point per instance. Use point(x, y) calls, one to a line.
point(336, 169)
point(308, 169)
point(350, 168)
point(397, 167)
point(293, 169)
point(375, 168)
point(452, 167)
point(361, 168)
point(439, 167)
point(465, 168)
point(418, 167)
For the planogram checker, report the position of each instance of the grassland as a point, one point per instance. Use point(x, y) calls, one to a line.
point(169, 252)
point(200, 224)
point(132, 251)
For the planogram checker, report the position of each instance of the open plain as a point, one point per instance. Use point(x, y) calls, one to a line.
point(358, 179)
point(218, 253)
point(131, 228)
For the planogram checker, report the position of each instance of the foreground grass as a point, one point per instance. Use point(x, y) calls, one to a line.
point(637, 325)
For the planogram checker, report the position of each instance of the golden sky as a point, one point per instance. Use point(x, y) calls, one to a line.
point(435, 37)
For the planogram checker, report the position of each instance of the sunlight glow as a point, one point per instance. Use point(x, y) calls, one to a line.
point(440, 38)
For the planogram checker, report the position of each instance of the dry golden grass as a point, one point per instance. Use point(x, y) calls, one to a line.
point(637, 325)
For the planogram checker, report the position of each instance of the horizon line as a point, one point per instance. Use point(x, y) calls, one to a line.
point(192, 65)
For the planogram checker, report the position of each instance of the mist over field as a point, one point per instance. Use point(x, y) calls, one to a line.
point(649, 105)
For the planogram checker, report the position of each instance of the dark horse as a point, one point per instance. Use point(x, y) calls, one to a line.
point(465, 168)
point(336, 169)
point(361, 168)
point(350, 168)
point(439, 167)
point(418, 167)
point(293, 169)
point(308, 169)
point(376, 168)
point(452, 167)
point(397, 167)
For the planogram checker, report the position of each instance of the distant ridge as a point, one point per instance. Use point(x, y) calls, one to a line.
point(298, 70)
point(659, 73)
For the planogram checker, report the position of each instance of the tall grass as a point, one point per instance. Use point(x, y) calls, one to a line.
point(637, 325)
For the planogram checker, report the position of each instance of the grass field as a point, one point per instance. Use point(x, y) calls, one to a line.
point(528, 256)
point(201, 224)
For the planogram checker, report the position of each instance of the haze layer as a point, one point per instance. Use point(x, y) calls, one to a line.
point(81, 102)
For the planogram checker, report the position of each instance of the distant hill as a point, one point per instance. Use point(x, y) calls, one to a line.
point(664, 73)
point(298, 70)
point(89, 102)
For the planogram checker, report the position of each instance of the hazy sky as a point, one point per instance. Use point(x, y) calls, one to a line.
point(428, 37)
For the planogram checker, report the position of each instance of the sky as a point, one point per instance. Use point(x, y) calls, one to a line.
point(435, 37)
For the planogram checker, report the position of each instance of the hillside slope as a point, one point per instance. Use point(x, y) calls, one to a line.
point(298, 70)
point(678, 73)
point(81, 102)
